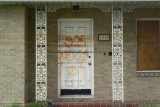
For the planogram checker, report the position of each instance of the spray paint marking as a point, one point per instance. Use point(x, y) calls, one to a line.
point(69, 54)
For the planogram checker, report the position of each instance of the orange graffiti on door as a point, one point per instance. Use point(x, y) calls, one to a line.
point(75, 49)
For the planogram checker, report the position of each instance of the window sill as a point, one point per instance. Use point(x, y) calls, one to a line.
point(148, 73)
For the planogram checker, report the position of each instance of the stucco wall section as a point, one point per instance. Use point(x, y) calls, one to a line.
point(12, 54)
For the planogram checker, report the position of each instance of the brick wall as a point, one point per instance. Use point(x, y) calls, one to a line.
point(136, 88)
point(102, 64)
point(26, 55)
point(17, 56)
point(31, 55)
point(12, 54)
point(102, 78)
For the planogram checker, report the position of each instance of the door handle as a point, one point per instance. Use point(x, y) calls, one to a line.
point(89, 63)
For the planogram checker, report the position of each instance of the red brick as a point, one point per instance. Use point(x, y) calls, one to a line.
point(91, 105)
point(55, 105)
point(72, 105)
point(128, 105)
point(78, 104)
point(115, 104)
point(84, 104)
point(65, 104)
point(103, 105)
point(109, 105)
point(97, 105)
point(135, 105)
point(121, 105)
point(59, 105)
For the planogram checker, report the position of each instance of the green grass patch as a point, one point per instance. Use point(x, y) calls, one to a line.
point(148, 105)
point(33, 104)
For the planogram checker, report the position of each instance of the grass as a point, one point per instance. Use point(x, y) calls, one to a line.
point(33, 104)
point(147, 105)
point(16, 105)
point(36, 104)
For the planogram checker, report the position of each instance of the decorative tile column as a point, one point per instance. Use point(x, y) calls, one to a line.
point(117, 53)
point(117, 9)
point(41, 53)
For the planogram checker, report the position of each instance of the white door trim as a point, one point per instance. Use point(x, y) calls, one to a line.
point(92, 89)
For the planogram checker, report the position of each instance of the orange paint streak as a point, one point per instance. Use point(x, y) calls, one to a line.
point(61, 64)
point(71, 73)
point(61, 57)
point(79, 52)
point(67, 54)
point(80, 39)
point(70, 50)
point(84, 54)
point(69, 38)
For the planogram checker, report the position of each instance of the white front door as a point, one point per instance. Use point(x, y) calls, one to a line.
point(75, 57)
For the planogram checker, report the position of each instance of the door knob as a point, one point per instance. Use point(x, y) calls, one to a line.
point(89, 63)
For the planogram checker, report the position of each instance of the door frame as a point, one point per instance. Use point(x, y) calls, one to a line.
point(92, 88)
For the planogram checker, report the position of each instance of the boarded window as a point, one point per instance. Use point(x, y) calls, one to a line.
point(148, 36)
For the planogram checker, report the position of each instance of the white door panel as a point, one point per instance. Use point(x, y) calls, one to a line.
point(75, 58)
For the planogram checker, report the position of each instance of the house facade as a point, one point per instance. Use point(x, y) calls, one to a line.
point(79, 51)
